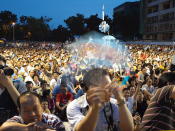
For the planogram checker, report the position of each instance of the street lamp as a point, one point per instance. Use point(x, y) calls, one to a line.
point(13, 24)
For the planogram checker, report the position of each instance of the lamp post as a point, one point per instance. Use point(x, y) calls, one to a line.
point(13, 24)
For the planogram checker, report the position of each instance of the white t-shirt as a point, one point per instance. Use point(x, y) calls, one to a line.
point(28, 78)
point(76, 111)
point(150, 89)
point(53, 83)
point(30, 68)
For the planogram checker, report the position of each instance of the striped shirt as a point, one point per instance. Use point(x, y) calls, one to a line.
point(160, 114)
point(53, 121)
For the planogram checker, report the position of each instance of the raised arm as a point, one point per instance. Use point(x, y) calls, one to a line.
point(89, 121)
point(173, 93)
point(35, 126)
point(14, 126)
point(6, 82)
point(139, 85)
point(126, 119)
point(95, 98)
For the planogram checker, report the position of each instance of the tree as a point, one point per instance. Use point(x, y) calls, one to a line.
point(23, 20)
point(29, 27)
point(6, 20)
point(61, 34)
point(76, 24)
point(93, 23)
point(35, 28)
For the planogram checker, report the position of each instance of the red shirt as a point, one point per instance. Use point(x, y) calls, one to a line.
point(64, 98)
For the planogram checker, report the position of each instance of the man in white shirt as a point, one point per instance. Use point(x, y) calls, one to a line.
point(55, 80)
point(29, 77)
point(96, 110)
point(149, 87)
point(129, 100)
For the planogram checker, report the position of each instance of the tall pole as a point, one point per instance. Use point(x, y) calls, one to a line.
point(13, 31)
point(103, 13)
point(104, 27)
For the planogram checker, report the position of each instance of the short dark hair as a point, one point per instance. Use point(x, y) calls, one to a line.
point(25, 94)
point(132, 79)
point(143, 67)
point(165, 79)
point(43, 82)
point(36, 65)
point(56, 72)
point(29, 82)
point(126, 89)
point(157, 71)
point(94, 77)
point(46, 93)
point(2, 58)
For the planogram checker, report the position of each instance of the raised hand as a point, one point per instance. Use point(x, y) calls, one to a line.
point(97, 96)
point(5, 81)
point(116, 90)
point(38, 126)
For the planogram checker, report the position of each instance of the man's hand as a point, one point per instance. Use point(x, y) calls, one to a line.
point(137, 119)
point(118, 94)
point(97, 96)
point(38, 126)
point(5, 81)
point(116, 91)
point(64, 107)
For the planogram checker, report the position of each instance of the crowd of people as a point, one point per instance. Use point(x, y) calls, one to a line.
point(43, 90)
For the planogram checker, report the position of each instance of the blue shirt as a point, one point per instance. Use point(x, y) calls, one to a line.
point(79, 93)
point(20, 85)
point(56, 89)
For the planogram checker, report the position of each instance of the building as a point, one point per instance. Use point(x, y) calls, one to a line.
point(158, 20)
point(126, 20)
point(126, 7)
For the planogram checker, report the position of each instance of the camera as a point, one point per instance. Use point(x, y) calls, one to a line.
point(7, 70)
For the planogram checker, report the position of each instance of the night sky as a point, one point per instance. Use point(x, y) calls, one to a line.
point(59, 9)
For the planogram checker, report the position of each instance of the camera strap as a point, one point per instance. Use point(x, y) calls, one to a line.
point(108, 113)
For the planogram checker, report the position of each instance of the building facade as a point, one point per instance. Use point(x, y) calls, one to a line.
point(126, 20)
point(158, 20)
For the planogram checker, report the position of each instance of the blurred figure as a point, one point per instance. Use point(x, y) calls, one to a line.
point(29, 85)
point(8, 95)
point(47, 95)
point(160, 112)
point(55, 80)
point(141, 74)
point(141, 105)
point(62, 100)
point(44, 104)
point(129, 100)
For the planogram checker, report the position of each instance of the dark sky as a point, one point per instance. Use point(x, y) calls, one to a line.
point(59, 9)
